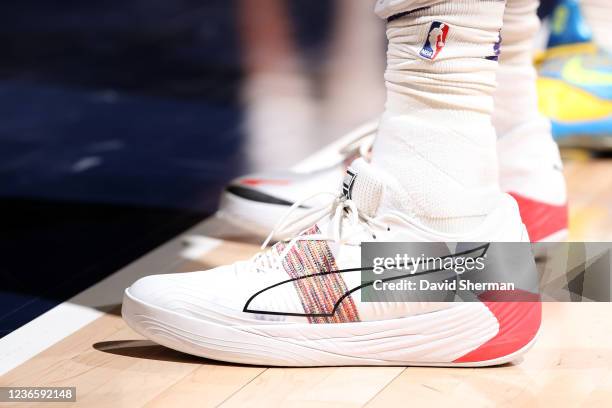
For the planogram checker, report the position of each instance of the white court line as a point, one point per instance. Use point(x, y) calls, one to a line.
point(42, 332)
point(82, 309)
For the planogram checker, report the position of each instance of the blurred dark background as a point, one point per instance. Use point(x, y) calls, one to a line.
point(120, 122)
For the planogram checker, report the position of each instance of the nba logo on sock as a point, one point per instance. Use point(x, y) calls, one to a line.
point(435, 41)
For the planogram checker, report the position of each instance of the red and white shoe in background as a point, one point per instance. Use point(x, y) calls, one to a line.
point(530, 171)
point(256, 202)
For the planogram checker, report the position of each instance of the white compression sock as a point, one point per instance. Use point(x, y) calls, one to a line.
point(598, 14)
point(528, 156)
point(516, 100)
point(436, 135)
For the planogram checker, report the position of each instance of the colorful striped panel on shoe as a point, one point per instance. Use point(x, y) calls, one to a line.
point(318, 293)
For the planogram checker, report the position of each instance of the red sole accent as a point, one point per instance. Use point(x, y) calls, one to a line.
point(519, 322)
point(258, 182)
point(541, 219)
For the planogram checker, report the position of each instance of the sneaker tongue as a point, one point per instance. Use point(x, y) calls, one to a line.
point(365, 186)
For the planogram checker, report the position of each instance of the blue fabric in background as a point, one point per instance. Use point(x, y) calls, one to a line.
point(120, 123)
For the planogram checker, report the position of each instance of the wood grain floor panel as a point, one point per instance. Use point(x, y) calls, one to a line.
point(571, 364)
point(314, 387)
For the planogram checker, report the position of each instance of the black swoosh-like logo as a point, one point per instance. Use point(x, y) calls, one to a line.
point(258, 196)
point(483, 248)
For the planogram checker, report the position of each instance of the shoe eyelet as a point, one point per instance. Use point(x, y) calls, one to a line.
point(388, 229)
point(373, 236)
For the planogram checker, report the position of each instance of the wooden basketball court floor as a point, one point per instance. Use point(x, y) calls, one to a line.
point(84, 343)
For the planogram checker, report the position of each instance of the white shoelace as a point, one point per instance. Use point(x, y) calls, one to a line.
point(340, 209)
point(339, 206)
point(366, 146)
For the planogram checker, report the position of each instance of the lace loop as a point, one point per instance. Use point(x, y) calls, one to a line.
point(343, 212)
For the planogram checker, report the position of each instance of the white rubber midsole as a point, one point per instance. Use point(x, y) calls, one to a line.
point(431, 339)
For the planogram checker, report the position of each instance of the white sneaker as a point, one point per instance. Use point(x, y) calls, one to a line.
point(531, 171)
point(299, 302)
point(256, 202)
